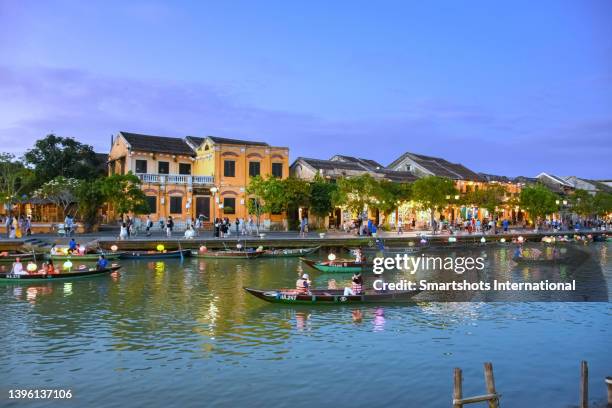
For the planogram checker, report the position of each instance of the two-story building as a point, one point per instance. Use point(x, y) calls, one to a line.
point(194, 176)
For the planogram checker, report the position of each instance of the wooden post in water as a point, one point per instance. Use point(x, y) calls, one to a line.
point(584, 385)
point(609, 384)
point(490, 382)
point(457, 392)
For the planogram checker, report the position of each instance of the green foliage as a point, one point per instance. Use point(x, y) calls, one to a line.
point(274, 195)
point(15, 179)
point(356, 192)
point(431, 193)
point(61, 191)
point(123, 192)
point(602, 204)
point(538, 201)
point(91, 198)
point(55, 156)
point(390, 194)
point(321, 196)
point(582, 203)
point(490, 197)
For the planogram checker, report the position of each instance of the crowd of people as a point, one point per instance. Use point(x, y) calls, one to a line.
point(17, 226)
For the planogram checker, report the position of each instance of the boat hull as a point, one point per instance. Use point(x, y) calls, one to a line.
point(8, 278)
point(155, 255)
point(331, 297)
point(337, 266)
point(289, 252)
point(86, 257)
point(22, 257)
point(227, 254)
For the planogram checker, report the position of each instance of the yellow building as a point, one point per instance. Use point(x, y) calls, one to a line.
point(191, 177)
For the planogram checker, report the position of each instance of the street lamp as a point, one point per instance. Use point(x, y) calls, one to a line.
point(214, 190)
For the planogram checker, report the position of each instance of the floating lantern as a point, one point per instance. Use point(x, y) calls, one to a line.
point(502, 240)
point(203, 249)
point(239, 246)
point(483, 240)
point(411, 243)
point(259, 249)
point(160, 247)
point(114, 248)
point(452, 239)
point(331, 257)
point(31, 267)
point(67, 264)
point(520, 239)
point(423, 241)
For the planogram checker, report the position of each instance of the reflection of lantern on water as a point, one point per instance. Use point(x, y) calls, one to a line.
point(31, 293)
point(67, 264)
point(160, 247)
point(331, 257)
point(411, 243)
point(67, 288)
point(483, 240)
point(114, 248)
point(32, 267)
point(160, 266)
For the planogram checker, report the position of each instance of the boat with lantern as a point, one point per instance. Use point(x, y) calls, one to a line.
point(331, 296)
point(90, 257)
point(74, 274)
point(180, 253)
point(23, 256)
point(289, 252)
point(337, 265)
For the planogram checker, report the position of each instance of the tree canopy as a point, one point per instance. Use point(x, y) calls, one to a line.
point(538, 201)
point(432, 192)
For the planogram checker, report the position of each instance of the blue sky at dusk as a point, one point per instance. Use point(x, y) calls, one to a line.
point(511, 88)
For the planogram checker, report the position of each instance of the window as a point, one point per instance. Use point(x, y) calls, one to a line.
point(141, 166)
point(229, 205)
point(163, 167)
point(184, 168)
point(277, 170)
point(152, 203)
point(254, 168)
point(229, 168)
point(176, 205)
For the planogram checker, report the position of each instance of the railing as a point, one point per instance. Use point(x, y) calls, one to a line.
point(174, 179)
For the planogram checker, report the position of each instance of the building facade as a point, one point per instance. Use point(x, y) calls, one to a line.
point(191, 177)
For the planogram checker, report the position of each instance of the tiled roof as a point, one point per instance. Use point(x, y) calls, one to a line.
point(331, 165)
point(157, 144)
point(439, 167)
point(399, 176)
point(223, 140)
point(357, 167)
point(366, 162)
point(493, 177)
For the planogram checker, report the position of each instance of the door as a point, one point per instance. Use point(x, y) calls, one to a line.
point(203, 207)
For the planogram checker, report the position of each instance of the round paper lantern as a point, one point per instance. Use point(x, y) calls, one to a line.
point(411, 243)
point(502, 240)
point(31, 267)
point(160, 247)
point(259, 249)
point(423, 241)
point(67, 264)
point(65, 251)
point(520, 239)
point(331, 257)
point(203, 249)
point(239, 246)
point(483, 240)
point(452, 239)
point(114, 248)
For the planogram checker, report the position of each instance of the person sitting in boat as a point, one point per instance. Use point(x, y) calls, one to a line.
point(359, 257)
point(331, 284)
point(80, 250)
point(72, 246)
point(356, 285)
point(102, 263)
point(48, 268)
point(17, 268)
point(53, 250)
point(303, 283)
point(518, 252)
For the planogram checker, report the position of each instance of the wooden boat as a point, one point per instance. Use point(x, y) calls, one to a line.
point(77, 274)
point(338, 265)
point(288, 252)
point(155, 254)
point(539, 261)
point(26, 256)
point(86, 257)
point(330, 297)
point(227, 254)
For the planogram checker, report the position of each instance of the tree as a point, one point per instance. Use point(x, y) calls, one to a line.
point(15, 179)
point(582, 203)
point(123, 192)
point(431, 193)
point(55, 156)
point(60, 191)
point(321, 196)
point(489, 198)
point(356, 193)
point(602, 204)
point(538, 201)
point(389, 195)
point(91, 198)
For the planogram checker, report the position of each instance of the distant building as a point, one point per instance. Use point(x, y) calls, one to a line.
point(196, 176)
point(591, 186)
point(555, 183)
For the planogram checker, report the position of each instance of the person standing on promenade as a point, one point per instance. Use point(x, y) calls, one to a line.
point(148, 226)
point(303, 227)
point(399, 226)
point(237, 224)
point(169, 226)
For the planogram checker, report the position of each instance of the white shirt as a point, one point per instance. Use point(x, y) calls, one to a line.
point(18, 269)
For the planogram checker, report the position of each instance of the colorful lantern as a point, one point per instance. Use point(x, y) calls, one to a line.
point(452, 239)
point(31, 267)
point(483, 240)
point(520, 239)
point(502, 240)
point(331, 257)
point(203, 249)
point(67, 264)
point(160, 247)
point(114, 248)
point(423, 241)
point(239, 246)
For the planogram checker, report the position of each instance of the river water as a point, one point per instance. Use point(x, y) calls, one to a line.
point(185, 334)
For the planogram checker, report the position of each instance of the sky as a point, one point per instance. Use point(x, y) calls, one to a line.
point(508, 88)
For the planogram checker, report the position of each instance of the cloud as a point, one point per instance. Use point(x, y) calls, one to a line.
point(91, 107)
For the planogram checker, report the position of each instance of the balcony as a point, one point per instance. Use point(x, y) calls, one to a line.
point(185, 179)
